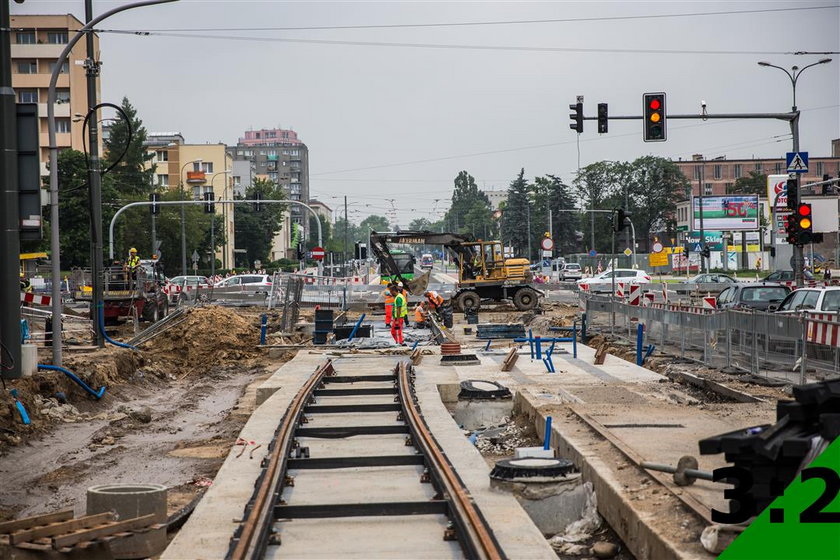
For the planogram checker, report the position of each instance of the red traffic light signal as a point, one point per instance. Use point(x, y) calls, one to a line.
point(803, 218)
point(655, 129)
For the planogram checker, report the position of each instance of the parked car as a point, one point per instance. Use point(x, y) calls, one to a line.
point(819, 300)
point(247, 282)
point(752, 295)
point(570, 271)
point(186, 284)
point(603, 282)
point(785, 276)
point(686, 286)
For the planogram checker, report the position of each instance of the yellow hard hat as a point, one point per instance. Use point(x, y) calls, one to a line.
point(21, 274)
point(132, 250)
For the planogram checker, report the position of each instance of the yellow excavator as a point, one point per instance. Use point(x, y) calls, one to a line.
point(483, 271)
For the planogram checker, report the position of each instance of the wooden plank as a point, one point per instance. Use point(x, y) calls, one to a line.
point(601, 354)
point(416, 357)
point(510, 359)
point(59, 528)
point(664, 479)
point(35, 521)
point(102, 531)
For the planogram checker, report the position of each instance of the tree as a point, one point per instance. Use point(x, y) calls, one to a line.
point(756, 183)
point(516, 216)
point(655, 186)
point(74, 209)
point(371, 223)
point(326, 231)
point(255, 229)
point(470, 210)
point(597, 186)
point(558, 197)
point(420, 224)
point(131, 174)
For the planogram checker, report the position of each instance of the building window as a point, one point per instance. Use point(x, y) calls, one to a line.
point(729, 187)
point(207, 166)
point(62, 126)
point(737, 170)
point(28, 96)
point(778, 168)
point(162, 155)
point(697, 172)
point(65, 67)
point(27, 67)
point(57, 37)
point(163, 179)
point(237, 180)
point(718, 173)
point(820, 171)
point(62, 95)
point(26, 37)
point(196, 193)
point(707, 189)
point(758, 168)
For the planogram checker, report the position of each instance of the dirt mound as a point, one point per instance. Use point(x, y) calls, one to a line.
point(208, 336)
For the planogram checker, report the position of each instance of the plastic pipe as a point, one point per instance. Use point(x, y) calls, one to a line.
point(263, 328)
point(414, 346)
point(640, 337)
point(101, 312)
point(24, 416)
point(574, 340)
point(356, 327)
point(487, 346)
point(530, 341)
point(538, 343)
point(98, 394)
point(547, 438)
point(554, 339)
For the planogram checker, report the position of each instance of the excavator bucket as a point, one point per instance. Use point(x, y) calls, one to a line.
point(420, 283)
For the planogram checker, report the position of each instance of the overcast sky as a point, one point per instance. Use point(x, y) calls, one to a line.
point(398, 122)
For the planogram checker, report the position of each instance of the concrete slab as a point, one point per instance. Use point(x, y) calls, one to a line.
point(357, 446)
point(343, 486)
point(366, 537)
point(353, 419)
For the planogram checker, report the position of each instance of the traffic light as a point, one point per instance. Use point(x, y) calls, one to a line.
point(577, 117)
point(154, 198)
point(619, 219)
point(655, 119)
point(359, 251)
point(706, 252)
point(804, 224)
point(790, 229)
point(603, 118)
point(792, 194)
point(257, 205)
point(300, 252)
point(209, 207)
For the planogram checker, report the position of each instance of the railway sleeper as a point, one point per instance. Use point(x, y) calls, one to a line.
point(381, 509)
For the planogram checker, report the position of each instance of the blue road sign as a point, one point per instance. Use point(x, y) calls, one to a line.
point(546, 263)
point(697, 248)
point(797, 162)
point(593, 253)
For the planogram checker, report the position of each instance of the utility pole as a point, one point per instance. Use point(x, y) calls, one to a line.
point(9, 215)
point(701, 178)
point(344, 263)
point(94, 179)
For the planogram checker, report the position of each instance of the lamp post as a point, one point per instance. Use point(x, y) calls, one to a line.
point(794, 74)
point(213, 224)
point(183, 216)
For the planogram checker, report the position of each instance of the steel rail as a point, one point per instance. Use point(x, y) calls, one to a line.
point(253, 534)
point(474, 533)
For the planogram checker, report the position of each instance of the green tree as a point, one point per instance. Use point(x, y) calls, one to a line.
point(371, 223)
point(470, 210)
point(655, 186)
point(516, 216)
point(554, 195)
point(420, 224)
point(326, 231)
point(255, 229)
point(597, 186)
point(74, 209)
point(131, 174)
point(755, 183)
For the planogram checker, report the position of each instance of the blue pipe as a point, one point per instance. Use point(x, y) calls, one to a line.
point(640, 337)
point(547, 438)
point(549, 364)
point(574, 341)
point(263, 328)
point(530, 341)
point(649, 351)
point(98, 394)
point(24, 416)
point(356, 327)
point(555, 339)
point(101, 312)
point(538, 343)
point(414, 346)
point(487, 346)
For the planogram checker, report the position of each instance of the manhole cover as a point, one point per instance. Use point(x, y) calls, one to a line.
point(483, 390)
point(507, 469)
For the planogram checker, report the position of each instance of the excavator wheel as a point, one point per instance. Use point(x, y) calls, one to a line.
point(467, 300)
point(525, 299)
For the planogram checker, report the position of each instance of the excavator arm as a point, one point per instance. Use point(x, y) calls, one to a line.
point(379, 246)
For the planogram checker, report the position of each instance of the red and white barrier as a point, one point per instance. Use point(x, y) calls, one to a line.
point(35, 299)
point(709, 302)
point(824, 333)
point(619, 290)
point(647, 299)
point(584, 287)
point(635, 294)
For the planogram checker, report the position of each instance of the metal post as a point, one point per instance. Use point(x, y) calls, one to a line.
point(154, 235)
point(703, 263)
point(95, 180)
point(9, 216)
point(528, 207)
point(183, 226)
point(804, 359)
point(612, 282)
point(212, 244)
point(728, 314)
point(344, 256)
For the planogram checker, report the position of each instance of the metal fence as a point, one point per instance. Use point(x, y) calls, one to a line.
point(762, 344)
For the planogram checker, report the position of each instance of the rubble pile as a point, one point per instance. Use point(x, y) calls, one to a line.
point(503, 438)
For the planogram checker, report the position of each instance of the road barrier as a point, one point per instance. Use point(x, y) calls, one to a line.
point(787, 347)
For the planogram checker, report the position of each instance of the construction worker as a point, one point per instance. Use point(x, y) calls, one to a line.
point(133, 261)
point(25, 284)
point(389, 304)
point(420, 315)
point(400, 312)
point(434, 299)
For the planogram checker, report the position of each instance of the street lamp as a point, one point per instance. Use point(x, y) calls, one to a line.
point(213, 224)
point(183, 216)
point(793, 75)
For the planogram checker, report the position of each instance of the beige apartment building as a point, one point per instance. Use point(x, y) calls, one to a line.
point(198, 169)
point(717, 176)
point(36, 43)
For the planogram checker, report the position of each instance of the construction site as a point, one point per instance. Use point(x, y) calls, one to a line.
point(253, 424)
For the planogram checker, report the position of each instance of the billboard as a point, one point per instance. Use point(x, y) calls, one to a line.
point(726, 213)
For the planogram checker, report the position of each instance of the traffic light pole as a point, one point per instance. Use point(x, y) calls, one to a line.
point(798, 263)
point(9, 216)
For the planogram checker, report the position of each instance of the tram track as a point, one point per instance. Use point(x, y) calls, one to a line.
point(356, 449)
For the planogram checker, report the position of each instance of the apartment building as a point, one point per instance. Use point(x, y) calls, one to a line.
point(278, 155)
point(36, 43)
point(198, 169)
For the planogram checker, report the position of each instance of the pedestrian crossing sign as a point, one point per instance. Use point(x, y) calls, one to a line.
point(797, 162)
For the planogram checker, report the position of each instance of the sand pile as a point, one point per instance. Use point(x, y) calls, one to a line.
point(208, 336)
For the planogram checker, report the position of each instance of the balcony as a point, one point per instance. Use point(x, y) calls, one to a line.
point(196, 177)
point(37, 51)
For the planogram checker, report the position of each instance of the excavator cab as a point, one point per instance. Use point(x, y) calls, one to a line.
point(484, 261)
